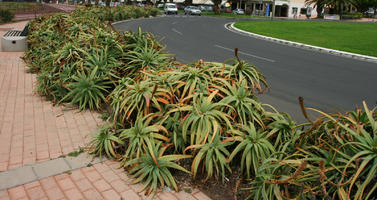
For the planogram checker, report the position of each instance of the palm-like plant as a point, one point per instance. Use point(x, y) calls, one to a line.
point(104, 142)
point(145, 58)
point(139, 134)
point(88, 90)
point(134, 98)
point(246, 108)
point(357, 145)
point(254, 145)
point(213, 155)
point(239, 70)
point(203, 118)
point(191, 78)
point(153, 168)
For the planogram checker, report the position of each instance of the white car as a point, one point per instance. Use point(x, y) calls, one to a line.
point(238, 11)
point(170, 8)
point(192, 10)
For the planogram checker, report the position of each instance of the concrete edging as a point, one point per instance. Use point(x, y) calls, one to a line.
point(230, 27)
point(30, 173)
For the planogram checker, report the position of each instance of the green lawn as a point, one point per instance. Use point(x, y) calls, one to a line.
point(231, 15)
point(13, 6)
point(358, 38)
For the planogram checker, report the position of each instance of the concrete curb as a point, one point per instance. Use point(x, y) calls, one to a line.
point(30, 173)
point(230, 27)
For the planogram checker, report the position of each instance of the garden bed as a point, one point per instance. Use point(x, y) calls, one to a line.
point(171, 124)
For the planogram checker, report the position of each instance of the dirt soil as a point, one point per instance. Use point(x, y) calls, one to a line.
point(231, 189)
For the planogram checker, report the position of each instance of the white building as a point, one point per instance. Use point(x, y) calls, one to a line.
point(283, 8)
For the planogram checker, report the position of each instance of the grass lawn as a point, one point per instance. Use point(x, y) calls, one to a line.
point(231, 15)
point(13, 6)
point(358, 38)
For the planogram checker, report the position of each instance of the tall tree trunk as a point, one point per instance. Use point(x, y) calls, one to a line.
point(217, 6)
point(319, 11)
point(188, 2)
point(108, 3)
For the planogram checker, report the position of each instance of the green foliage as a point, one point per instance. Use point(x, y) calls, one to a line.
point(88, 91)
point(211, 109)
point(153, 168)
point(6, 15)
point(213, 156)
point(203, 118)
point(254, 145)
point(139, 134)
point(104, 142)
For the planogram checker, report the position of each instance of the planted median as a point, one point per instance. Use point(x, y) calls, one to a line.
point(351, 37)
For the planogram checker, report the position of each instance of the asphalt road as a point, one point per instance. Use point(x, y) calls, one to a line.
point(327, 82)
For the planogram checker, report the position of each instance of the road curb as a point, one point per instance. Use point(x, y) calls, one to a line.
point(230, 27)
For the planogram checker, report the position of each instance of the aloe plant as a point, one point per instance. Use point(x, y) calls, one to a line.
point(145, 58)
point(213, 156)
point(134, 98)
point(104, 142)
point(88, 90)
point(254, 145)
point(202, 118)
point(153, 168)
point(139, 134)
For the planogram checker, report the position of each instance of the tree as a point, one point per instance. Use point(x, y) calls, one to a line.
point(108, 3)
point(339, 5)
point(216, 6)
point(363, 5)
point(188, 2)
point(318, 4)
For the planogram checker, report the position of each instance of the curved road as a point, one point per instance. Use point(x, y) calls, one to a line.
point(327, 82)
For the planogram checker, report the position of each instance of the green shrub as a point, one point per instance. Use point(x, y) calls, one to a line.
point(208, 108)
point(6, 15)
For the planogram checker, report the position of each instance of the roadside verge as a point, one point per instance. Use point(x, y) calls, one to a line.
point(230, 27)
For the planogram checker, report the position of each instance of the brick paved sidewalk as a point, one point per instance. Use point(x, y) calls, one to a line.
point(100, 181)
point(32, 130)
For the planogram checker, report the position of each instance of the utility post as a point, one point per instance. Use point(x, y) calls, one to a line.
point(273, 10)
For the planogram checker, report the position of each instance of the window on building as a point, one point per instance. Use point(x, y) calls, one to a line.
point(294, 10)
point(303, 11)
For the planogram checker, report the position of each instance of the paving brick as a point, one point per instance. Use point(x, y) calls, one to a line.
point(73, 194)
point(182, 195)
point(167, 196)
point(93, 195)
point(48, 183)
point(66, 184)
point(84, 185)
point(201, 196)
point(54, 193)
point(100, 167)
point(77, 175)
point(110, 195)
point(93, 175)
point(110, 176)
point(130, 195)
point(35, 192)
point(119, 185)
point(17, 192)
point(101, 185)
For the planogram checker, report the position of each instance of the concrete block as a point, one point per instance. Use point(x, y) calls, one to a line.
point(15, 177)
point(51, 168)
